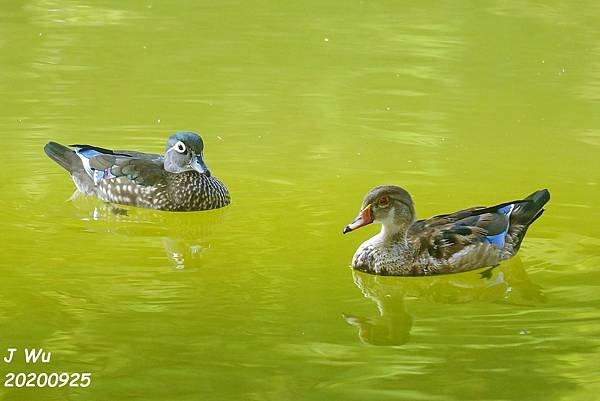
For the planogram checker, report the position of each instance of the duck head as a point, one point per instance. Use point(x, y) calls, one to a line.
point(389, 205)
point(184, 152)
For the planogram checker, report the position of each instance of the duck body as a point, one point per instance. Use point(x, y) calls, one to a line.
point(177, 181)
point(450, 243)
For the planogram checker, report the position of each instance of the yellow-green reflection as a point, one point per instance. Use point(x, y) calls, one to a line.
point(392, 325)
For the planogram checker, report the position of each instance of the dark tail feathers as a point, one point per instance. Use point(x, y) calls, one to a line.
point(525, 213)
point(529, 211)
point(62, 155)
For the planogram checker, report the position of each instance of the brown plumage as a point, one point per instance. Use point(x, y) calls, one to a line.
point(460, 241)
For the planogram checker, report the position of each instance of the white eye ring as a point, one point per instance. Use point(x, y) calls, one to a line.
point(180, 147)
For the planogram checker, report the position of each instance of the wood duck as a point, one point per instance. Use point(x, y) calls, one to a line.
point(177, 181)
point(449, 243)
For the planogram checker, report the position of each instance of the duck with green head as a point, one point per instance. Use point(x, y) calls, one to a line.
point(464, 240)
point(177, 181)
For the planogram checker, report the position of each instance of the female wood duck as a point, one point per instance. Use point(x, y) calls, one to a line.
point(179, 181)
point(449, 243)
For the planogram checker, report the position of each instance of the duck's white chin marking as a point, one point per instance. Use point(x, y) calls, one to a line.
point(389, 225)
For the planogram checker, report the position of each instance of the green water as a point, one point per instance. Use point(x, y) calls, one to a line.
point(303, 107)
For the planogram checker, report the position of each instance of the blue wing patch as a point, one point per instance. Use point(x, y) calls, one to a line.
point(506, 209)
point(85, 155)
point(498, 240)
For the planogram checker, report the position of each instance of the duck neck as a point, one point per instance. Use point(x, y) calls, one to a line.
point(393, 233)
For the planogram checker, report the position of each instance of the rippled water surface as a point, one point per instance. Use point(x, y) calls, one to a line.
point(303, 107)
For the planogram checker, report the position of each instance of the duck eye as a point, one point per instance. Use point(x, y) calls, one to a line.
point(384, 201)
point(180, 147)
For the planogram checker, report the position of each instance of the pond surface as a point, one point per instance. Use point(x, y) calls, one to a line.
point(303, 107)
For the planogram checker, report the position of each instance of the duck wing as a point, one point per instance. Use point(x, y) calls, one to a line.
point(151, 157)
point(443, 236)
point(137, 167)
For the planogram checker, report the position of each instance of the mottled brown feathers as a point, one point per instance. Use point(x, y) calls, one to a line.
point(460, 241)
point(179, 181)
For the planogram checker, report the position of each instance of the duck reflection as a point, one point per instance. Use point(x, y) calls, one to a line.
point(392, 324)
point(508, 283)
point(184, 236)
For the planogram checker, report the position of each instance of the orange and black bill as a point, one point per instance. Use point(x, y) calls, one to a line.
point(364, 217)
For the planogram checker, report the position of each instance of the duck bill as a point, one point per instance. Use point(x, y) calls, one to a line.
point(364, 217)
point(197, 163)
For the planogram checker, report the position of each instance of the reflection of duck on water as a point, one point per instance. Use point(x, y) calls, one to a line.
point(184, 236)
point(392, 325)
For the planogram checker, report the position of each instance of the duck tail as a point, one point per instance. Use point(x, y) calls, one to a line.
point(532, 208)
point(62, 155)
point(525, 213)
